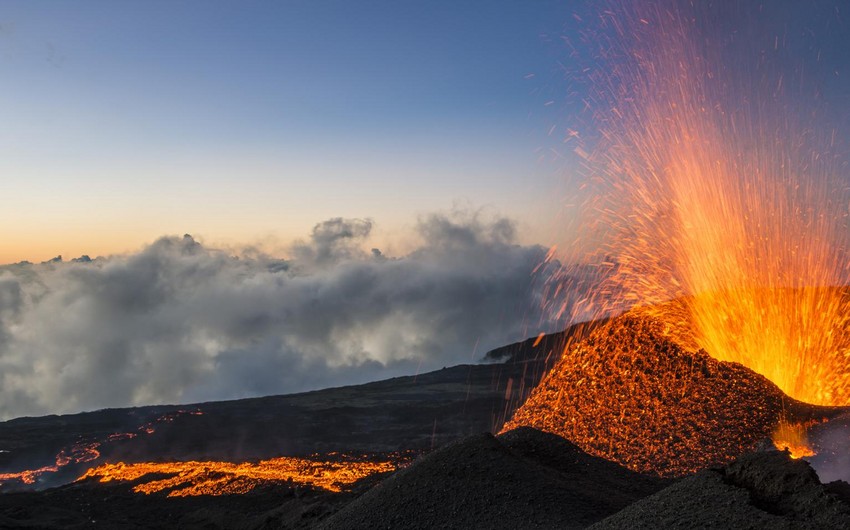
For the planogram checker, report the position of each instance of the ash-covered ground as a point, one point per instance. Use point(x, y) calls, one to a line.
point(454, 475)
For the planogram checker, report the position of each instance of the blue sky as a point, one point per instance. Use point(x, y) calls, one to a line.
point(250, 122)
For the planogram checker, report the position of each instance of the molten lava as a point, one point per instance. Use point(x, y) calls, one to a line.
point(181, 479)
point(28, 476)
point(715, 181)
point(792, 437)
point(631, 393)
point(78, 453)
point(87, 450)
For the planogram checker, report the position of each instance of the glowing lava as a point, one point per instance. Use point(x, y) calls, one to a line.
point(87, 451)
point(631, 393)
point(715, 180)
point(792, 437)
point(228, 478)
point(28, 476)
point(78, 453)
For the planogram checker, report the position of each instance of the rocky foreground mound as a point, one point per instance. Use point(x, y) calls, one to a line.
point(631, 394)
point(764, 490)
point(521, 479)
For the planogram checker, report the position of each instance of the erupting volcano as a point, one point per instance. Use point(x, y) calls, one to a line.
point(718, 180)
point(701, 290)
point(716, 196)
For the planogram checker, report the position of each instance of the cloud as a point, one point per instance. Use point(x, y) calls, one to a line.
point(334, 240)
point(179, 322)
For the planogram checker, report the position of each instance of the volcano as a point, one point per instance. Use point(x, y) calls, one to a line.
point(599, 424)
point(632, 393)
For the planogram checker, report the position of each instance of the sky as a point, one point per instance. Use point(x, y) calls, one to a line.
point(248, 123)
point(277, 197)
point(272, 197)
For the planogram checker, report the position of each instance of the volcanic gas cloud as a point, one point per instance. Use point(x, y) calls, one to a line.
point(718, 197)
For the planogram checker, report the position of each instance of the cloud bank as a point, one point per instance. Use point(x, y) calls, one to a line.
point(179, 322)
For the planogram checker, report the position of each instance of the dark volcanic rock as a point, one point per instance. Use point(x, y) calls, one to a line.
point(766, 490)
point(600, 478)
point(523, 479)
point(115, 506)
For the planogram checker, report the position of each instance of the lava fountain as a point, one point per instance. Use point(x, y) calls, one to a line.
point(715, 179)
point(714, 217)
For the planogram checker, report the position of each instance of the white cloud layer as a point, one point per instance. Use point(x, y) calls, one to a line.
point(178, 322)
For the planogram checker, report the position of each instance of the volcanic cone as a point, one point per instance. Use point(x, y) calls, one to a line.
point(632, 393)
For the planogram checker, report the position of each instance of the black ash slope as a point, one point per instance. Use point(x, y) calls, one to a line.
point(522, 479)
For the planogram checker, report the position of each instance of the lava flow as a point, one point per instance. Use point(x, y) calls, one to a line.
point(86, 451)
point(78, 453)
point(192, 478)
point(716, 180)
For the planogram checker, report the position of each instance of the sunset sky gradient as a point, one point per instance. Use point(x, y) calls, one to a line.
point(248, 123)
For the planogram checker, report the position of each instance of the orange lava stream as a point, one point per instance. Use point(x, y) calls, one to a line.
point(707, 186)
point(78, 453)
point(228, 478)
point(28, 476)
point(88, 451)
